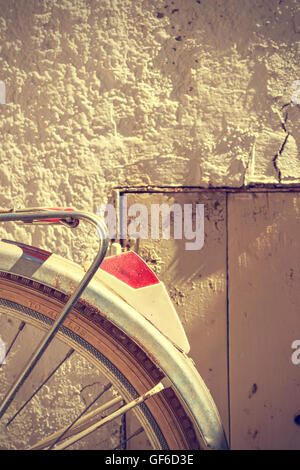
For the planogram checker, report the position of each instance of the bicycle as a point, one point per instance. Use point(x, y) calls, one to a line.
point(99, 314)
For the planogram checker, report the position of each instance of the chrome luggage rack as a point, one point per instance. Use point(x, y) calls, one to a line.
point(69, 218)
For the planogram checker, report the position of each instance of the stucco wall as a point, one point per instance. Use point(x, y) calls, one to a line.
point(121, 92)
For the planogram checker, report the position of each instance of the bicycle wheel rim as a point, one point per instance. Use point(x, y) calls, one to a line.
point(155, 416)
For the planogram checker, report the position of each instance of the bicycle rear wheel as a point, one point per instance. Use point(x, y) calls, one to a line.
point(109, 350)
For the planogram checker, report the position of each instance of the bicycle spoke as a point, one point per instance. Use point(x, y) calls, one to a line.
point(71, 351)
point(136, 433)
point(78, 426)
point(123, 433)
point(21, 326)
point(68, 442)
point(106, 388)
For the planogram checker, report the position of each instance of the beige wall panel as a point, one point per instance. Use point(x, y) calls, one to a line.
point(264, 298)
point(196, 281)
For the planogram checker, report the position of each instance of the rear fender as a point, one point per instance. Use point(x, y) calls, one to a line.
point(65, 275)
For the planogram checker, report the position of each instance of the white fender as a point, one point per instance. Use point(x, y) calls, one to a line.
point(65, 275)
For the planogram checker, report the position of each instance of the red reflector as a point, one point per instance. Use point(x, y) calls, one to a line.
point(56, 221)
point(31, 250)
point(131, 269)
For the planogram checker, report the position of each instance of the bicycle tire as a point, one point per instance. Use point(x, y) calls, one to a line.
point(89, 332)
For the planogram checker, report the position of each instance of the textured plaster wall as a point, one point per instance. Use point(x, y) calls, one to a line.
point(134, 92)
point(107, 93)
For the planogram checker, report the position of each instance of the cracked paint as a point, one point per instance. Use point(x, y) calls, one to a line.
point(277, 155)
